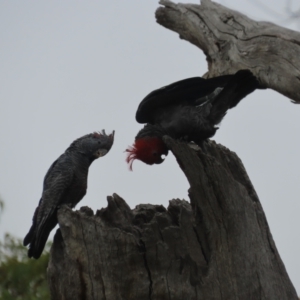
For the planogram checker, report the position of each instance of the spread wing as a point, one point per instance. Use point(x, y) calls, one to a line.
point(239, 86)
point(187, 91)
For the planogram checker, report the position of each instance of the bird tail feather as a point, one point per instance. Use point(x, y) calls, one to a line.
point(30, 235)
point(39, 233)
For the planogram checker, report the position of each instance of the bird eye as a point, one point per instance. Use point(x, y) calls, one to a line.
point(154, 153)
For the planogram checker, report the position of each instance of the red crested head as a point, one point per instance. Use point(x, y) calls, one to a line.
point(149, 150)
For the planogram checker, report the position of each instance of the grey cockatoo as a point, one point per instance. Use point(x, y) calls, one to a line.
point(65, 183)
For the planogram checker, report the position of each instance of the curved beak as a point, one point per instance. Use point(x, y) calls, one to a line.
point(161, 159)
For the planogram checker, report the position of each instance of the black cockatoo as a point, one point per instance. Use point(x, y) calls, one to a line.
point(188, 109)
point(65, 183)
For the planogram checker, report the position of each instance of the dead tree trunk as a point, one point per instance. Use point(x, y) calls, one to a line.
point(231, 41)
point(219, 247)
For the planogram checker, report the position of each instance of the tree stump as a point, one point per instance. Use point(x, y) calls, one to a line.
point(217, 247)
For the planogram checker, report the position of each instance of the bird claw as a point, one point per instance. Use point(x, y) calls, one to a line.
point(184, 138)
point(202, 145)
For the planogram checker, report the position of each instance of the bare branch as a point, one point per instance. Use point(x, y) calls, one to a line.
point(231, 41)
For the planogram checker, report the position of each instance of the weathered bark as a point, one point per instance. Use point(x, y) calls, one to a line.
point(219, 247)
point(231, 41)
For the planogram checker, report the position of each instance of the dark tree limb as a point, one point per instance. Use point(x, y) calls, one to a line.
point(231, 41)
point(219, 247)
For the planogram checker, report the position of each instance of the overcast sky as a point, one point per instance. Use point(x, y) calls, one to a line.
point(68, 68)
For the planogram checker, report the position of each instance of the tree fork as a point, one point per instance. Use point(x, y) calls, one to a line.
point(217, 247)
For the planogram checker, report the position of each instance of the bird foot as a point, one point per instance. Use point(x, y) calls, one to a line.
point(202, 145)
point(184, 138)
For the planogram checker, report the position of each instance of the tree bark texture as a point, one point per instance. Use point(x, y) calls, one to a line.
point(231, 41)
point(217, 247)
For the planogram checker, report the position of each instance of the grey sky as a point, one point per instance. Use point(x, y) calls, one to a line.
point(68, 68)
